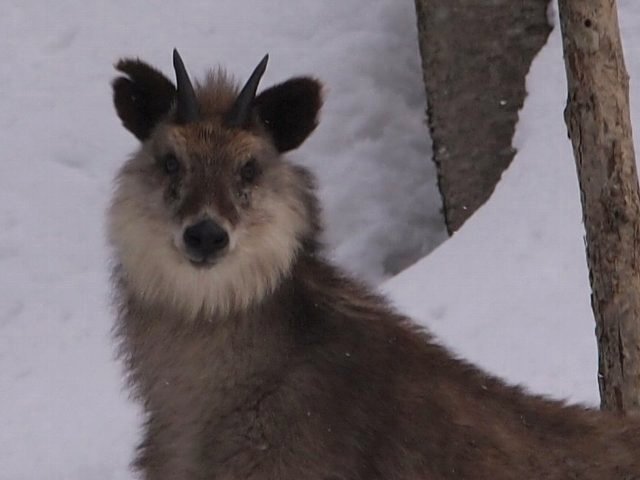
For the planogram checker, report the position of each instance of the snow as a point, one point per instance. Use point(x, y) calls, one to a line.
point(508, 291)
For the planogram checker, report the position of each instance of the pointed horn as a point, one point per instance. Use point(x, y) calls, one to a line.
point(238, 116)
point(187, 104)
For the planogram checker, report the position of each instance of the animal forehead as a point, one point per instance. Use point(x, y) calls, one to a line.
point(210, 139)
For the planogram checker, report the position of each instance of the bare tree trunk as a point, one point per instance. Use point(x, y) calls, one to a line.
point(475, 57)
point(599, 125)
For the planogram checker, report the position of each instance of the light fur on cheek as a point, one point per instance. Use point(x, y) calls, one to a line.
point(156, 271)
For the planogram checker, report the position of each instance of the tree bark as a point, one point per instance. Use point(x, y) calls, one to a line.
point(599, 125)
point(475, 57)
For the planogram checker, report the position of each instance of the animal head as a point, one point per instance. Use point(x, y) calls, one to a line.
point(208, 215)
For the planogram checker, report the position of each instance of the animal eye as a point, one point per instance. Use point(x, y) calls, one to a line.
point(249, 171)
point(170, 164)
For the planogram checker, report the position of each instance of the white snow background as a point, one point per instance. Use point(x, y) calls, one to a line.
point(508, 291)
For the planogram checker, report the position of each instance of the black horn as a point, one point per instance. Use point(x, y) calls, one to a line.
point(187, 104)
point(239, 114)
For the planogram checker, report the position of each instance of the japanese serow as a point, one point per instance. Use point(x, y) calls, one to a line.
point(256, 358)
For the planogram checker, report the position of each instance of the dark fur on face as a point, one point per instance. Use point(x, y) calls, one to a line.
point(273, 364)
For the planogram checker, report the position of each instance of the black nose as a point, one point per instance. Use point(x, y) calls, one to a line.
point(205, 238)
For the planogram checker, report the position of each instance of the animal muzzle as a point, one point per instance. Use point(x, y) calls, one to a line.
point(204, 241)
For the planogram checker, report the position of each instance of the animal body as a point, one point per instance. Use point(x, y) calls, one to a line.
point(255, 358)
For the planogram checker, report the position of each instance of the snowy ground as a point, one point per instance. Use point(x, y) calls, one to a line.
point(508, 291)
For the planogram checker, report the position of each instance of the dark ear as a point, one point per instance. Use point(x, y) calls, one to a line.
point(289, 111)
point(142, 97)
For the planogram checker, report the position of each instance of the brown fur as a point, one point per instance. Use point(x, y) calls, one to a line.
point(272, 364)
point(141, 98)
